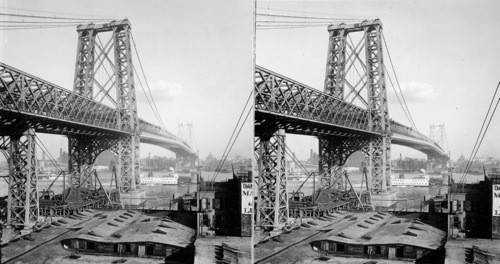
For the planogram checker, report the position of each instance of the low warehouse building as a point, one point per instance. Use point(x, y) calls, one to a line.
point(379, 235)
point(129, 233)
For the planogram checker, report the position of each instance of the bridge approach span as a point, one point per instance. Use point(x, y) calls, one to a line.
point(283, 103)
point(27, 101)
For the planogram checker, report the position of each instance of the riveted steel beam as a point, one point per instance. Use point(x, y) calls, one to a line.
point(272, 197)
point(22, 204)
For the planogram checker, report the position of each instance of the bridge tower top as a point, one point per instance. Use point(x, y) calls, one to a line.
point(437, 133)
point(186, 133)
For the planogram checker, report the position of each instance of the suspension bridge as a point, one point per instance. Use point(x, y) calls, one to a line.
point(99, 114)
point(350, 114)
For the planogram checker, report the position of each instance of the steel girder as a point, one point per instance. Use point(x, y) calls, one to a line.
point(40, 104)
point(372, 80)
point(23, 208)
point(272, 198)
point(377, 94)
point(380, 149)
point(333, 153)
point(122, 80)
point(378, 154)
point(128, 148)
point(83, 151)
point(84, 66)
point(280, 95)
point(335, 64)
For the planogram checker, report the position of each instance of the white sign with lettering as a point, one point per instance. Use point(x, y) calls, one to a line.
point(246, 198)
point(496, 200)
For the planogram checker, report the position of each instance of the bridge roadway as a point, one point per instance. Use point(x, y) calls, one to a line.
point(30, 102)
point(281, 102)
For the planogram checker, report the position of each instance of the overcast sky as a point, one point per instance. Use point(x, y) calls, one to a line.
point(197, 56)
point(445, 54)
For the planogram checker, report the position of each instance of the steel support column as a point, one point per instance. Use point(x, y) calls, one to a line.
point(128, 147)
point(330, 164)
point(122, 80)
point(335, 64)
point(23, 209)
point(330, 157)
point(272, 200)
point(83, 151)
point(84, 67)
point(380, 149)
point(333, 154)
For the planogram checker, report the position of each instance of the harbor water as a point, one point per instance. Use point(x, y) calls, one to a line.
point(158, 196)
point(407, 197)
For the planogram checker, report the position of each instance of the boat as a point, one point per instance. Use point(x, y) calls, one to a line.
point(48, 176)
point(299, 177)
point(171, 178)
point(403, 180)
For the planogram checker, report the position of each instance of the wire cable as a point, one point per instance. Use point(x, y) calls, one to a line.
point(397, 81)
point(221, 163)
point(307, 17)
point(469, 162)
point(147, 84)
point(53, 17)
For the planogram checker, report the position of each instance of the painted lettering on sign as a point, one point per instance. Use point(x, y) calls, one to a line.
point(496, 200)
point(246, 198)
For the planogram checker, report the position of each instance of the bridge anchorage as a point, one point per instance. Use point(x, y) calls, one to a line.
point(99, 114)
point(351, 114)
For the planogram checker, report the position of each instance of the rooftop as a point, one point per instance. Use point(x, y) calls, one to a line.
point(377, 228)
point(128, 226)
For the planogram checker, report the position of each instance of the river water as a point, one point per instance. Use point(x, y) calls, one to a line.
point(160, 195)
point(407, 197)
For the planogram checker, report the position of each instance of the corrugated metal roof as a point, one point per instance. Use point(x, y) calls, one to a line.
point(372, 228)
point(129, 227)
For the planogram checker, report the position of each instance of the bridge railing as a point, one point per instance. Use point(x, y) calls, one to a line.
point(282, 95)
point(21, 92)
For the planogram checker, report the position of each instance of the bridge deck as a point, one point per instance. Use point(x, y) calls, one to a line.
point(283, 103)
point(27, 101)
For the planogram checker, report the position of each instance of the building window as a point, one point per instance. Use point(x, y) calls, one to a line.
point(456, 221)
point(400, 252)
point(324, 245)
point(378, 250)
point(332, 246)
point(149, 249)
point(127, 248)
point(91, 245)
point(340, 247)
point(217, 203)
point(468, 206)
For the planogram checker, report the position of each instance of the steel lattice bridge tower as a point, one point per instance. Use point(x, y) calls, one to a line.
point(350, 114)
point(99, 114)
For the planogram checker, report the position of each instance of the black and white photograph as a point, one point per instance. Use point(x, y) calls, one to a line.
point(249, 131)
point(375, 132)
point(126, 131)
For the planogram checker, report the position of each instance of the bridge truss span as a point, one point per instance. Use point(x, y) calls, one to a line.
point(26, 100)
point(285, 99)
